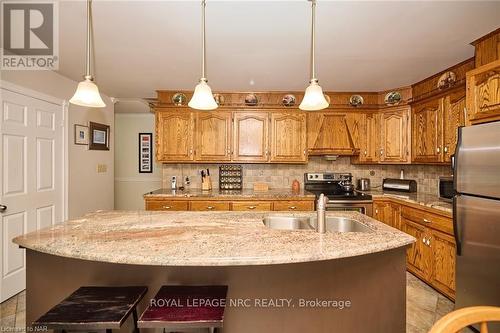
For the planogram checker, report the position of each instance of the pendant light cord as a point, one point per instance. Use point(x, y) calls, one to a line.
point(313, 42)
point(203, 41)
point(88, 65)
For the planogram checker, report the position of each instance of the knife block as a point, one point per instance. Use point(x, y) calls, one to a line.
point(206, 184)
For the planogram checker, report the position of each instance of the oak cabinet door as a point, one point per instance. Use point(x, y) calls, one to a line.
point(483, 93)
point(250, 136)
point(327, 133)
point(443, 256)
point(370, 139)
point(288, 137)
point(356, 128)
point(417, 256)
point(453, 118)
point(174, 135)
point(394, 136)
point(426, 131)
point(213, 136)
point(380, 211)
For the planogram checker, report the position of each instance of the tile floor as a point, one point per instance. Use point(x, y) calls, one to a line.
point(424, 306)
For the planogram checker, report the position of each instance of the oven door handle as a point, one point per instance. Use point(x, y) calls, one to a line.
point(349, 202)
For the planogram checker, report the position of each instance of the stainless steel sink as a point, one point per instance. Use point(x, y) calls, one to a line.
point(342, 224)
point(287, 223)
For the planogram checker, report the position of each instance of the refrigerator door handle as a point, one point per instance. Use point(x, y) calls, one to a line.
point(456, 226)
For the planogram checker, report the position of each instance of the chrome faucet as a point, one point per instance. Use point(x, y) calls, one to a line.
point(320, 211)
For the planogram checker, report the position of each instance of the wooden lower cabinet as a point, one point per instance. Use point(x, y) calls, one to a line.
point(251, 205)
point(293, 206)
point(432, 256)
point(167, 205)
point(209, 205)
point(228, 205)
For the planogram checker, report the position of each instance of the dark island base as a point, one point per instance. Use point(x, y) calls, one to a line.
point(375, 285)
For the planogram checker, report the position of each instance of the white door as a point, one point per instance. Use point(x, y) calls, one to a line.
point(31, 178)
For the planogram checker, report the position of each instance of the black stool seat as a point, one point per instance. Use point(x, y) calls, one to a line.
point(180, 307)
point(94, 308)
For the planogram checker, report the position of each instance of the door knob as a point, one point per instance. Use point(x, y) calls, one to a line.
point(3, 208)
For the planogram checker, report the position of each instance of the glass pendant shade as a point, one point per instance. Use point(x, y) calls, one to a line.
point(203, 99)
point(87, 94)
point(314, 99)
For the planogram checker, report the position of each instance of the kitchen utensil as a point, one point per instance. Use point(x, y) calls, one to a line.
point(364, 184)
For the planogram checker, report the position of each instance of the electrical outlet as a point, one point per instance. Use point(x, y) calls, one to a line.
point(102, 168)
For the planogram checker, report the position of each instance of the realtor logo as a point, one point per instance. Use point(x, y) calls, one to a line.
point(29, 35)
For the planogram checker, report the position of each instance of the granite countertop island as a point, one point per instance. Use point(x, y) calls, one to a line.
point(205, 239)
point(367, 270)
point(278, 194)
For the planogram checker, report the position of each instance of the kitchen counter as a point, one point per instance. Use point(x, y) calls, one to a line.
point(205, 239)
point(278, 194)
point(258, 264)
point(419, 198)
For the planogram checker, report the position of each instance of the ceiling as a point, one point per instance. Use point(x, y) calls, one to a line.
point(141, 46)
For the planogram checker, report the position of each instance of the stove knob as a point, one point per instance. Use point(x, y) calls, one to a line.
point(315, 176)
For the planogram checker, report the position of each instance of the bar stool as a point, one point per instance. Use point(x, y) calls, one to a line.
point(186, 307)
point(94, 308)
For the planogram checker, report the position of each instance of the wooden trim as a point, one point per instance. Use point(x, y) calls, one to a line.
point(488, 35)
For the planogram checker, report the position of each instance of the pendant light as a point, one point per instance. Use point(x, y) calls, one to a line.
point(203, 99)
point(314, 99)
point(87, 93)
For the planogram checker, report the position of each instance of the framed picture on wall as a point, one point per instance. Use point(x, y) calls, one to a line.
point(99, 136)
point(81, 135)
point(145, 152)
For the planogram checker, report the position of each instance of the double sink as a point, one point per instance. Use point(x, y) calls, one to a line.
point(333, 224)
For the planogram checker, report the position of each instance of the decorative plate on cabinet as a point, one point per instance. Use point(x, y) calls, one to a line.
point(394, 97)
point(288, 100)
point(251, 100)
point(447, 80)
point(179, 99)
point(219, 99)
point(356, 100)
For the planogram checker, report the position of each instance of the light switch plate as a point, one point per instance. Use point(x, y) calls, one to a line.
point(102, 168)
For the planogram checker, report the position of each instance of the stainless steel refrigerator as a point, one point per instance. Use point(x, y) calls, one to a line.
point(476, 216)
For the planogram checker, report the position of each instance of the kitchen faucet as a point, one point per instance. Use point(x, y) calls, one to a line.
point(320, 211)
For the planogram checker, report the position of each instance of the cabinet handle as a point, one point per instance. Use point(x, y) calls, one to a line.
point(424, 240)
point(427, 221)
point(446, 150)
point(210, 207)
point(438, 149)
point(190, 151)
point(292, 207)
point(366, 152)
point(166, 207)
point(381, 152)
point(429, 242)
point(376, 211)
point(252, 207)
point(304, 152)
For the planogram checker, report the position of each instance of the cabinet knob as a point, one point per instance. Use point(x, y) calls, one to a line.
point(252, 207)
point(166, 207)
point(446, 150)
point(438, 149)
point(376, 211)
point(366, 152)
point(381, 152)
point(292, 207)
point(424, 240)
point(427, 221)
point(210, 207)
point(429, 242)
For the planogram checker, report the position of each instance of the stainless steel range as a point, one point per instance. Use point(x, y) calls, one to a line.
point(339, 189)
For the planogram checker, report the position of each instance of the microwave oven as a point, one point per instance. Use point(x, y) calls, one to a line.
point(446, 191)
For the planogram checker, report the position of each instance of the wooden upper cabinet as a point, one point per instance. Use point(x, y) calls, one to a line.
point(394, 137)
point(483, 93)
point(427, 131)
point(174, 136)
point(370, 139)
point(288, 137)
point(250, 136)
point(213, 136)
point(453, 118)
point(327, 133)
point(355, 128)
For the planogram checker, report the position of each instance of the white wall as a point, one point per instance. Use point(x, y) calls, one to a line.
point(88, 190)
point(130, 185)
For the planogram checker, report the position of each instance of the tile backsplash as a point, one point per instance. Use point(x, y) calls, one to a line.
point(282, 175)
